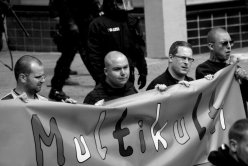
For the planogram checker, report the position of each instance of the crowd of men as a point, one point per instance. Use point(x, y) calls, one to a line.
point(111, 48)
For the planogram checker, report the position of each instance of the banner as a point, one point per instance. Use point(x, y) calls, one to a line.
point(179, 126)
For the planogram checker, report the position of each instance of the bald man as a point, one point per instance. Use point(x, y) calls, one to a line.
point(220, 46)
point(29, 74)
point(116, 83)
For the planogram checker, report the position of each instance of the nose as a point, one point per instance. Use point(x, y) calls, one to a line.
point(43, 79)
point(122, 71)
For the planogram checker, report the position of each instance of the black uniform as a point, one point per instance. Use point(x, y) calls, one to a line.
point(74, 19)
point(115, 30)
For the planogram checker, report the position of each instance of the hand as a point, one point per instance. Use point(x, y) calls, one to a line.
point(241, 73)
point(234, 58)
point(69, 100)
point(161, 87)
point(99, 103)
point(209, 77)
point(142, 81)
point(185, 83)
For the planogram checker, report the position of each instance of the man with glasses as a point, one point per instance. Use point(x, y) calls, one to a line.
point(180, 60)
point(29, 75)
point(220, 45)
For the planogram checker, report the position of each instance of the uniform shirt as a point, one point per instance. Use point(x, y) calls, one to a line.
point(167, 79)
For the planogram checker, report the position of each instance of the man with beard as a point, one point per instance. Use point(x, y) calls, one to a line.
point(180, 60)
point(29, 75)
point(220, 46)
point(116, 83)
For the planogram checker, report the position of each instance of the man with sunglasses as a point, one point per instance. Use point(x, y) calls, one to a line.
point(180, 60)
point(220, 45)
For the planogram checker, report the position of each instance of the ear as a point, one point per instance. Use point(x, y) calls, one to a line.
point(22, 77)
point(105, 71)
point(233, 145)
point(170, 58)
point(211, 46)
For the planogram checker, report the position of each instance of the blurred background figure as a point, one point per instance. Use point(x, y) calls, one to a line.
point(4, 7)
point(74, 18)
point(116, 30)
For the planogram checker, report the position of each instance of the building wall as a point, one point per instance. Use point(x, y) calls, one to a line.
point(232, 16)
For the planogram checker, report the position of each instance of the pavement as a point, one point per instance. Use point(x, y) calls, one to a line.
point(86, 83)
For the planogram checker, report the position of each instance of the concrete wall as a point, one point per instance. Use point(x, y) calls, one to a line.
point(165, 22)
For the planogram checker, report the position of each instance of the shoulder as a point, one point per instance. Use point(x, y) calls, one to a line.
point(161, 79)
point(95, 95)
point(9, 96)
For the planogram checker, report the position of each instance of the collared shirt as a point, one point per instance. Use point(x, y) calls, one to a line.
point(14, 95)
point(167, 79)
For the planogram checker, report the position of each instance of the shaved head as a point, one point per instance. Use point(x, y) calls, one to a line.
point(116, 69)
point(112, 57)
point(215, 33)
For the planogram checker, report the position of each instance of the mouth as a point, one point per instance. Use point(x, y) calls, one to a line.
point(185, 68)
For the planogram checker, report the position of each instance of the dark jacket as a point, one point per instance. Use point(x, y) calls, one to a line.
point(108, 33)
point(106, 92)
point(223, 158)
point(210, 67)
point(167, 79)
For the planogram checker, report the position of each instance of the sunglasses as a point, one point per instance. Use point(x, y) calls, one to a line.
point(225, 43)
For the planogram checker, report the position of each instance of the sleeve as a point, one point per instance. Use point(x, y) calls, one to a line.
point(95, 51)
point(244, 89)
point(199, 73)
point(150, 86)
point(89, 99)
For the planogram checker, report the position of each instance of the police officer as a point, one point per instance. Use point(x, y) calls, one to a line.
point(116, 30)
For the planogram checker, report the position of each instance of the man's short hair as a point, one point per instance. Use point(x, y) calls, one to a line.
point(238, 129)
point(212, 33)
point(23, 65)
point(176, 44)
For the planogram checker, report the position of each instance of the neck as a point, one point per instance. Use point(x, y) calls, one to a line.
point(176, 76)
point(113, 85)
point(214, 59)
point(20, 91)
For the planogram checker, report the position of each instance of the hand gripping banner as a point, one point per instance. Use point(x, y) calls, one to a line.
point(177, 127)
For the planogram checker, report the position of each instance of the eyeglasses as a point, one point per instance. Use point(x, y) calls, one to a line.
point(41, 77)
point(184, 58)
point(225, 43)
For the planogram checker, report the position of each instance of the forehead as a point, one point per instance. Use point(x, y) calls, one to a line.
point(36, 68)
point(118, 62)
point(221, 36)
point(184, 51)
